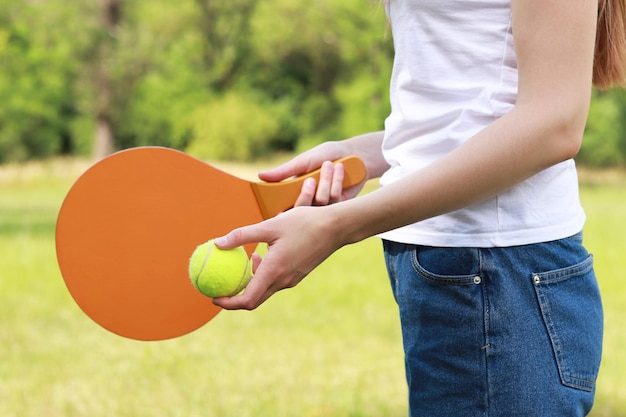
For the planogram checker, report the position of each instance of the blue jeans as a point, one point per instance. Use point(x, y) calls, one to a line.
point(498, 332)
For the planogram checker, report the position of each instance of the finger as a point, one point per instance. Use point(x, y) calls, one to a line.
point(256, 261)
point(252, 297)
point(244, 301)
point(307, 194)
point(336, 186)
point(254, 233)
point(322, 195)
point(256, 293)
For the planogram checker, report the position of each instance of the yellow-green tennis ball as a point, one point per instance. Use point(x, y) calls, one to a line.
point(219, 272)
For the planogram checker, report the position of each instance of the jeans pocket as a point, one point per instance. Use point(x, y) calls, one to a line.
point(457, 266)
point(571, 308)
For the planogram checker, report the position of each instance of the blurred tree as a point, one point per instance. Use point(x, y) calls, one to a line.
point(306, 61)
point(207, 75)
point(37, 95)
point(140, 73)
point(233, 127)
point(225, 30)
point(604, 144)
point(152, 79)
point(110, 18)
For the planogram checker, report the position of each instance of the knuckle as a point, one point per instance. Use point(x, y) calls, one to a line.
point(289, 285)
point(249, 305)
point(236, 234)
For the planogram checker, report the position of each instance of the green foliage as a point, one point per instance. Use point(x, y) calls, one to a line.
point(307, 72)
point(154, 83)
point(312, 74)
point(224, 28)
point(340, 46)
point(231, 128)
point(604, 144)
point(363, 103)
point(37, 97)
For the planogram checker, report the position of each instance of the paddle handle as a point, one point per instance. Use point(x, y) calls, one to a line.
point(276, 197)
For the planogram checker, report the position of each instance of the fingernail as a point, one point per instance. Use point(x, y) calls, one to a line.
point(220, 241)
point(309, 183)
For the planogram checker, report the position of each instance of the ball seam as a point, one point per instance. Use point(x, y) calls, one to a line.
point(206, 259)
point(243, 276)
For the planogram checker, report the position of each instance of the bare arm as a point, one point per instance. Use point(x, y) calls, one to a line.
point(554, 45)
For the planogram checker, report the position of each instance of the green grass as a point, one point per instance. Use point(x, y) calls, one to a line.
point(605, 237)
point(330, 347)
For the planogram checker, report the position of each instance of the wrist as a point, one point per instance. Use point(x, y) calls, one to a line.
point(345, 222)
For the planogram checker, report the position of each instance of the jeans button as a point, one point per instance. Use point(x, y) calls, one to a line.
point(477, 280)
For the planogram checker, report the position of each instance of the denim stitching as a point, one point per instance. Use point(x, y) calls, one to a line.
point(486, 329)
point(542, 279)
point(565, 273)
point(442, 279)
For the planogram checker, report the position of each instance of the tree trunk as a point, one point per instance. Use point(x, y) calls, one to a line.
point(104, 139)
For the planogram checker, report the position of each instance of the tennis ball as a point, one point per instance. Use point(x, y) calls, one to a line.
point(219, 272)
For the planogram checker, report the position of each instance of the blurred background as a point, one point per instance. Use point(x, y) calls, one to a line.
point(242, 84)
point(230, 80)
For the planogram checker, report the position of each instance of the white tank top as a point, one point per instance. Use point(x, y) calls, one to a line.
point(454, 73)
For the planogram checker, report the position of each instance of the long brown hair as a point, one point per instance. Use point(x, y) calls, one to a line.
point(609, 67)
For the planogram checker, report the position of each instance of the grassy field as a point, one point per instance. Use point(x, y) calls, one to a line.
point(330, 347)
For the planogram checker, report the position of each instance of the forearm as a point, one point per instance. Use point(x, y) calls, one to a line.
point(368, 147)
point(511, 150)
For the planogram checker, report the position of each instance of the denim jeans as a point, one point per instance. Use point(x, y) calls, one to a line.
point(498, 332)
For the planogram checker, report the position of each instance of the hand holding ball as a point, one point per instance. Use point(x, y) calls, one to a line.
point(219, 272)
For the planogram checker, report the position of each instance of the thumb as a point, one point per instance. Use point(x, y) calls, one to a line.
point(287, 170)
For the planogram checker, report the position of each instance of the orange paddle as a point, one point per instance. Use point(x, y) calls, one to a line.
point(130, 223)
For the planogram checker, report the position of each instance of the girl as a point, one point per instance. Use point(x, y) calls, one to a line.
point(478, 209)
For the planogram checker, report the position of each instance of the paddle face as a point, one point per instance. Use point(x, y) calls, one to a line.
point(127, 229)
